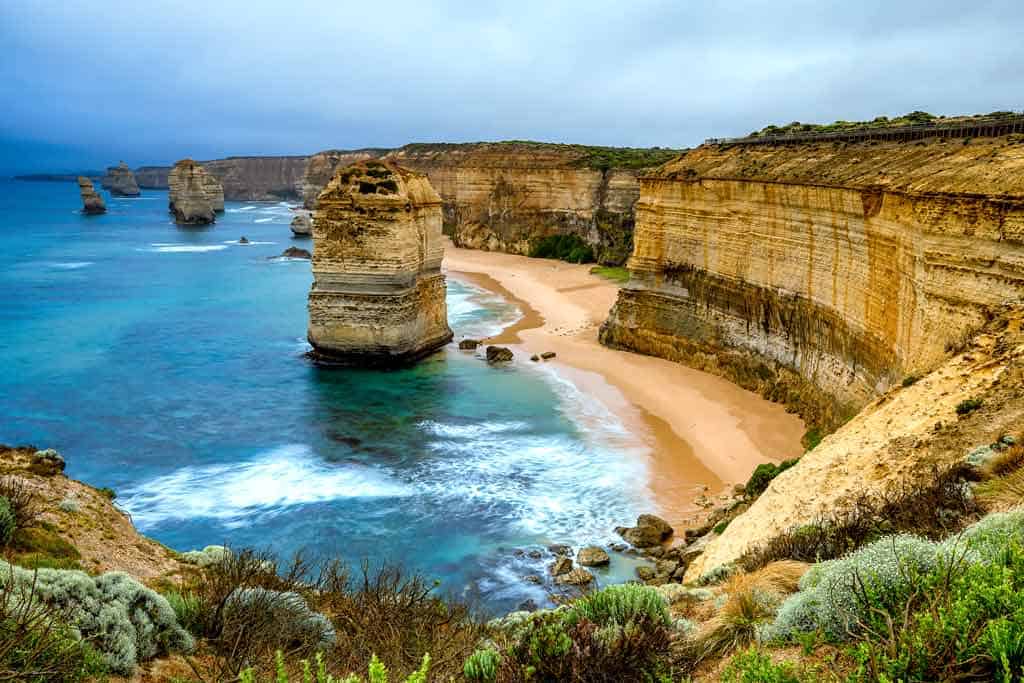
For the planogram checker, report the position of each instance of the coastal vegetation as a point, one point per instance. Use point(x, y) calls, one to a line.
point(570, 247)
point(617, 274)
point(914, 118)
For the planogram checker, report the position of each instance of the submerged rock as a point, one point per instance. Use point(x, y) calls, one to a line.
point(561, 565)
point(92, 202)
point(190, 194)
point(120, 181)
point(302, 224)
point(378, 295)
point(295, 252)
point(577, 577)
point(243, 240)
point(498, 354)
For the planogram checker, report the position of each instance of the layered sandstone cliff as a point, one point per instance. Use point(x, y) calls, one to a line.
point(193, 195)
point(92, 202)
point(822, 274)
point(320, 168)
point(259, 178)
point(120, 181)
point(504, 196)
point(152, 177)
point(378, 295)
point(214, 191)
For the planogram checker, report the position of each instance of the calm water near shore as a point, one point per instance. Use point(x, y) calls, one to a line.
point(168, 364)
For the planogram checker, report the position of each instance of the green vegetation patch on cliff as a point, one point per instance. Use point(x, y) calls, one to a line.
point(914, 118)
point(577, 156)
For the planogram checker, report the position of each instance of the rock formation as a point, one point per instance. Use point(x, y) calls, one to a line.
point(302, 224)
point(378, 295)
point(505, 196)
point(214, 192)
point(152, 177)
point(822, 274)
point(92, 202)
point(192, 194)
point(321, 167)
point(259, 178)
point(120, 181)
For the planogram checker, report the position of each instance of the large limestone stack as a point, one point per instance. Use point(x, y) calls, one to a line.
point(378, 295)
point(191, 194)
point(121, 181)
point(92, 202)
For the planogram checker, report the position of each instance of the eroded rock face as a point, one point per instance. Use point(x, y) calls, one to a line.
point(193, 194)
point(321, 167)
point(121, 181)
point(302, 224)
point(92, 202)
point(258, 178)
point(821, 275)
point(378, 295)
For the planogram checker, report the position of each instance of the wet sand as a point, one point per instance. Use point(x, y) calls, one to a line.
point(704, 433)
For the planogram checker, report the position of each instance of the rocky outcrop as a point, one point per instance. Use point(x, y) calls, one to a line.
point(120, 181)
point(320, 168)
point(152, 177)
point(378, 294)
point(192, 194)
point(506, 196)
point(92, 202)
point(214, 192)
point(820, 275)
point(893, 446)
point(302, 224)
point(259, 178)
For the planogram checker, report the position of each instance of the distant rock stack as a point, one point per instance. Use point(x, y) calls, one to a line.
point(120, 181)
point(302, 224)
point(92, 202)
point(378, 295)
point(191, 194)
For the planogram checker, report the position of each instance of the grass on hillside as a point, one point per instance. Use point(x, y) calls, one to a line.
point(619, 274)
point(589, 156)
point(909, 119)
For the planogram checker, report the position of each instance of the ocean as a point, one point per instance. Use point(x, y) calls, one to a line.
point(168, 364)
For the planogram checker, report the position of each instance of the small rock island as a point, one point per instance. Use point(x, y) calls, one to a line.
point(195, 195)
point(92, 202)
point(378, 294)
point(120, 181)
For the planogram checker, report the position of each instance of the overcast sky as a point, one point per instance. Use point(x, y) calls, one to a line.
point(84, 84)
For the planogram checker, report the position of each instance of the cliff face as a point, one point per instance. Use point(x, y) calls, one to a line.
point(152, 177)
point(820, 275)
point(92, 202)
point(120, 181)
point(259, 178)
point(504, 196)
point(378, 295)
point(192, 195)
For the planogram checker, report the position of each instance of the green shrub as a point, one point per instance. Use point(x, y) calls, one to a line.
point(7, 522)
point(763, 475)
point(968, 405)
point(482, 666)
point(619, 274)
point(622, 604)
point(910, 380)
point(284, 614)
point(753, 666)
point(569, 248)
point(316, 672)
point(965, 621)
point(125, 621)
point(108, 493)
point(721, 526)
point(211, 554)
point(187, 609)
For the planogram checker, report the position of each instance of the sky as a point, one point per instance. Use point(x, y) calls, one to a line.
point(85, 84)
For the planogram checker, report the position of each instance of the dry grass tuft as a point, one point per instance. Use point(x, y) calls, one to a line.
point(1005, 462)
point(1001, 493)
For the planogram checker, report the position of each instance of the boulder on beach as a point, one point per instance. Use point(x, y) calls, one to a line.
point(592, 556)
point(561, 565)
point(468, 344)
point(663, 527)
point(92, 202)
point(650, 531)
point(548, 355)
point(576, 577)
point(498, 354)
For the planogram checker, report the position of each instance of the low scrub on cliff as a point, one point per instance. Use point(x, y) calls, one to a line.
point(569, 248)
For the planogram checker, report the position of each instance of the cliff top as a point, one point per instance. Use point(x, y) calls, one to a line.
point(989, 166)
point(379, 182)
point(546, 154)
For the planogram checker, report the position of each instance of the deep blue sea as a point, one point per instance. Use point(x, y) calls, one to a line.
point(167, 364)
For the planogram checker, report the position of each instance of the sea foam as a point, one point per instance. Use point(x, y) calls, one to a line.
point(235, 493)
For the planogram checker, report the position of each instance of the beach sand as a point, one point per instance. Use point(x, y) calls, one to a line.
point(704, 433)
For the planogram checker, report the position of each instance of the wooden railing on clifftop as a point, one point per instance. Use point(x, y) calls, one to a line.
point(981, 126)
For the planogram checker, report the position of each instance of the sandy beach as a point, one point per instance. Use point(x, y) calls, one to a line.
point(704, 433)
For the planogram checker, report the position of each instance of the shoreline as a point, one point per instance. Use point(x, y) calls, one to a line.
point(703, 433)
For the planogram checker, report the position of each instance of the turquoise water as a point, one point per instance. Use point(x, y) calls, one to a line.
point(168, 364)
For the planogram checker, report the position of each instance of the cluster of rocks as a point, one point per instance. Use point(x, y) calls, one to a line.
point(92, 202)
point(195, 196)
point(120, 181)
point(547, 355)
point(302, 224)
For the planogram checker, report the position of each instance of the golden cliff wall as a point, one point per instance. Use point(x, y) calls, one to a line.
point(503, 196)
point(820, 275)
point(378, 294)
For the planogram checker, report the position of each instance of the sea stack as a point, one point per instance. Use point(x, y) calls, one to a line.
point(120, 181)
point(302, 224)
point(191, 194)
point(378, 295)
point(92, 202)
